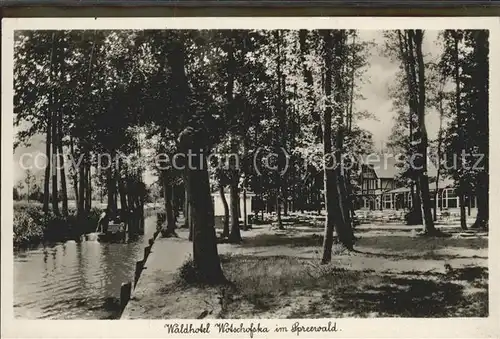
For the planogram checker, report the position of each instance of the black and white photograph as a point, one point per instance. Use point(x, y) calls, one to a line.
point(237, 177)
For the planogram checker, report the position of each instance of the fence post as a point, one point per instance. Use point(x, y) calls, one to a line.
point(147, 250)
point(138, 269)
point(125, 291)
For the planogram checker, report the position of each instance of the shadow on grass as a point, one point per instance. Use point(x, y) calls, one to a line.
point(403, 243)
point(283, 239)
point(422, 256)
point(412, 297)
point(273, 283)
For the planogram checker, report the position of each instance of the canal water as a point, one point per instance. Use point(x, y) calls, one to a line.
point(76, 280)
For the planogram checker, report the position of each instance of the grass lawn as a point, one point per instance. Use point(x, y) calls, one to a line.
point(393, 273)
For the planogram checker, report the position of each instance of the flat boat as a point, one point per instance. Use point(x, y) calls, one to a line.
point(114, 232)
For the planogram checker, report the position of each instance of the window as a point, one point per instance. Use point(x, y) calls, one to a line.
point(409, 200)
point(387, 201)
point(451, 198)
point(472, 202)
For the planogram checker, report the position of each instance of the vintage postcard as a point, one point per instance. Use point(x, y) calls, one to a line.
point(250, 177)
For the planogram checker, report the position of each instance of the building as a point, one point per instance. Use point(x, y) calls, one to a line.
point(379, 188)
point(401, 198)
point(219, 206)
point(377, 175)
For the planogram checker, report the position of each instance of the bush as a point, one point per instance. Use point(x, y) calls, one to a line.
point(161, 217)
point(26, 230)
point(32, 225)
point(188, 273)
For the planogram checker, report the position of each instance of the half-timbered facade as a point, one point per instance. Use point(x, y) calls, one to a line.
point(377, 175)
point(379, 189)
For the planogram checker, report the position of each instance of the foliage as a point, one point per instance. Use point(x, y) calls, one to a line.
point(32, 225)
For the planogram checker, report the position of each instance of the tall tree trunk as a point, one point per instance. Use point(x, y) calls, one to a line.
point(74, 171)
point(350, 108)
point(350, 195)
point(88, 189)
point(405, 48)
point(55, 157)
point(130, 189)
point(439, 152)
point(205, 256)
point(333, 199)
point(309, 80)
point(482, 198)
point(235, 234)
point(285, 204)
point(225, 229)
point(64, 190)
point(175, 209)
point(278, 210)
point(49, 138)
point(461, 186)
point(186, 206)
point(351, 86)
point(167, 194)
point(190, 212)
point(461, 203)
point(81, 188)
point(111, 186)
point(436, 195)
point(245, 212)
point(46, 183)
point(481, 78)
point(429, 227)
point(344, 225)
point(281, 115)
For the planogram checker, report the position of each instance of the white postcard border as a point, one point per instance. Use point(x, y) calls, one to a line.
point(350, 328)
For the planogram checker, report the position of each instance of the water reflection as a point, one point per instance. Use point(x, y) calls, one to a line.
point(75, 280)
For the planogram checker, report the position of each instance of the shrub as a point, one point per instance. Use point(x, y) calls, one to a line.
point(188, 273)
point(32, 225)
point(26, 229)
point(161, 217)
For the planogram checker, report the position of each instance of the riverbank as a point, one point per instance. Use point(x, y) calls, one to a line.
point(31, 226)
point(275, 274)
point(76, 280)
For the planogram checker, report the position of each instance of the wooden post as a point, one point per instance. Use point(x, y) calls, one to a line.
point(147, 250)
point(125, 291)
point(139, 265)
point(142, 223)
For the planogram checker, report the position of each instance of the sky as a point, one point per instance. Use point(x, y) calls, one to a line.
point(380, 75)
